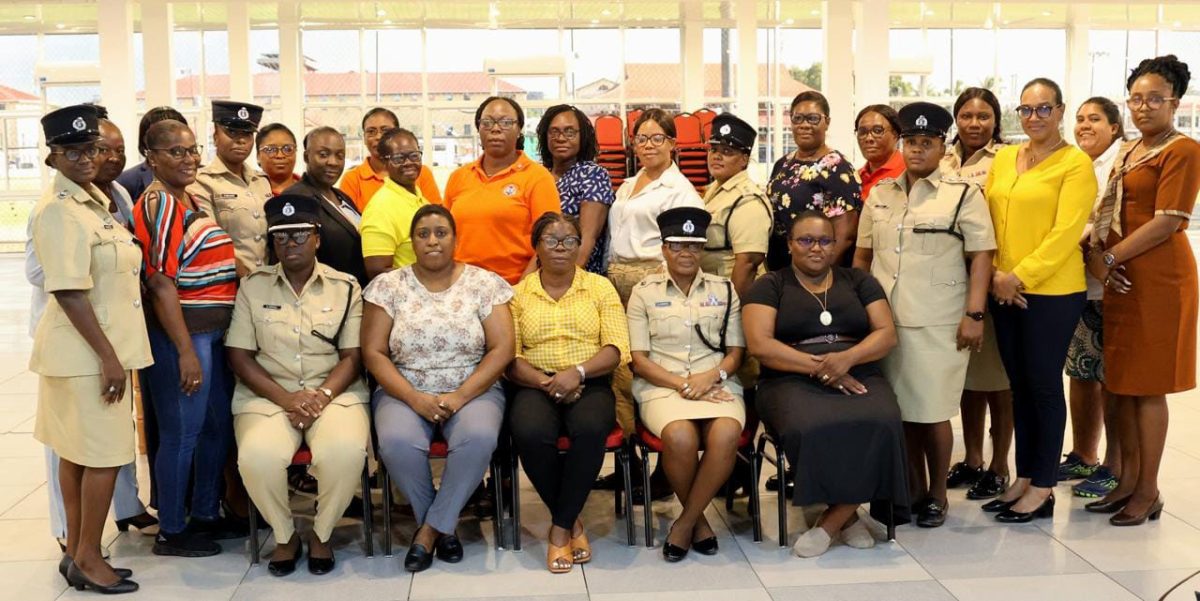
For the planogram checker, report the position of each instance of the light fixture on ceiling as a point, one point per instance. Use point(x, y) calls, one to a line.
point(595, 21)
point(30, 18)
point(606, 12)
point(1046, 13)
point(59, 26)
point(387, 21)
point(381, 13)
point(789, 21)
point(816, 12)
point(929, 12)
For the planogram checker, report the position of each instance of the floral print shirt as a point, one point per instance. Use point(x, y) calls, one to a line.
point(584, 182)
point(829, 184)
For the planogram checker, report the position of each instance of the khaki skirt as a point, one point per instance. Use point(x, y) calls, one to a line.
point(985, 372)
point(927, 373)
point(658, 407)
point(74, 420)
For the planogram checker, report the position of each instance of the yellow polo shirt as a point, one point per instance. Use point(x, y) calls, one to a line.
point(386, 223)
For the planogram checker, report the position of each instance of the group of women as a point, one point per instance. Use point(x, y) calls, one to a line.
point(528, 298)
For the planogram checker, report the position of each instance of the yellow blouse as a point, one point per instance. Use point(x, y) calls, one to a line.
point(558, 335)
point(1039, 217)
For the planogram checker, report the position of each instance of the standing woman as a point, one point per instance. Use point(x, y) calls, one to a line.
point(136, 178)
point(878, 130)
point(1142, 255)
point(192, 282)
point(1099, 132)
point(567, 145)
point(1040, 194)
point(813, 178)
point(276, 146)
point(386, 243)
point(970, 156)
point(937, 280)
point(362, 182)
point(496, 199)
point(91, 334)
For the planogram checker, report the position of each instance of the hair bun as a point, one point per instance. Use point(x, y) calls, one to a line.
point(1169, 67)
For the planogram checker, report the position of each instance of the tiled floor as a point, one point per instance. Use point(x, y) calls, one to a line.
point(1077, 556)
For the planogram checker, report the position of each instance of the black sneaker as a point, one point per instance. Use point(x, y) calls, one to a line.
point(962, 474)
point(184, 544)
point(990, 485)
point(219, 529)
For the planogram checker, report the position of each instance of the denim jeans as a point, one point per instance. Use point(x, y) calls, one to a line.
point(195, 431)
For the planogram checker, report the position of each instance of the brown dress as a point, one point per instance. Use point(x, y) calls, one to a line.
point(1150, 333)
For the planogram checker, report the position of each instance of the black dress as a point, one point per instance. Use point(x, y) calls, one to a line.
point(341, 244)
point(845, 449)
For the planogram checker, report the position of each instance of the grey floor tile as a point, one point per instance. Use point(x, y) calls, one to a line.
point(1018, 550)
point(1093, 587)
point(1151, 585)
point(30, 580)
point(921, 590)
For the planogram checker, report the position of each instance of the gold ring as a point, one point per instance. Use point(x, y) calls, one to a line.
point(825, 378)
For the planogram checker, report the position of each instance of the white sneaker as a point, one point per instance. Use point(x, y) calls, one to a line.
point(877, 529)
point(856, 535)
point(812, 543)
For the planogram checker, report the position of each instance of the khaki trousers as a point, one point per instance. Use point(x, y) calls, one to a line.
point(338, 440)
point(624, 276)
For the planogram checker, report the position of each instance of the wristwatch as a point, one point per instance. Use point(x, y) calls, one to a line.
point(976, 315)
point(327, 392)
point(582, 372)
point(722, 374)
point(1109, 259)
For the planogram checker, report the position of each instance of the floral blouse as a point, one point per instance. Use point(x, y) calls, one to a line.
point(829, 184)
point(437, 338)
point(584, 182)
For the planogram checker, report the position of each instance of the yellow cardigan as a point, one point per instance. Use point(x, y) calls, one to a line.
point(1039, 217)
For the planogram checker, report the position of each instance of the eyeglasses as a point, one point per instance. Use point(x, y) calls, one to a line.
point(876, 131)
point(1042, 110)
point(74, 154)
point(399, 158)
point(810, 118)
point(569, 243)
point(374, 132)
point(424, 233)
point(179, 152)
point(286, 150)
point(655, 140)
point(692, 247)
point(809, 241)
point(297, 236)
point(1152, 102)
point(569, 133)
point(505, 124)
point(724, 151)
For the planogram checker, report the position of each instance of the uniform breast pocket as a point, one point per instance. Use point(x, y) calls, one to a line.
point(274, 332)
point(949, 278)
point(933, 236)
point(666, 326)
point(322, 336)
point(234, 218)
point(711, 319)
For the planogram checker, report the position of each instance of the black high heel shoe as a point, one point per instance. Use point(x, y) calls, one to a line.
point(77, 579)
point(66, 562)
point(1152, 513)
point(997, 505)
point(1105, 506)
point(1045, 510)
point(141, 522)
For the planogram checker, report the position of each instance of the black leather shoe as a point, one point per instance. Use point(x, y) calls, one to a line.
point(65, 564)
point(77, 579)
point(773, 483)
point(996, 506)
point(418, 559)
point(962, 474)
point(932, 513)
point(320, 565)
point(1104, 506)
point(141, 522)
point(1045, 510)
point(221, 528)
point(989, 486)
point(448, 548)
point(673, 553)
point(184, 544)
point(284, 567)
point(706, 546)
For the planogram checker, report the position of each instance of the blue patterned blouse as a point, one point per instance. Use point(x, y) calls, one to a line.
point(584, 182)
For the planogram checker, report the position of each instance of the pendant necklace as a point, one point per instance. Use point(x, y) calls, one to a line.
point(826, 317)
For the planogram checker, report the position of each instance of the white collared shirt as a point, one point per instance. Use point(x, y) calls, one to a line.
point(632, 220)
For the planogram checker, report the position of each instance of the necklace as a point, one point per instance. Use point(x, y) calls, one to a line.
point(1032, 157)
point(826, 317)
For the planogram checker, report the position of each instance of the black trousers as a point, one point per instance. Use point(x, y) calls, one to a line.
point(536, 421)
point(1033, 347)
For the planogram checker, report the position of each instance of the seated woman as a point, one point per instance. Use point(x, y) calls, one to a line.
point(437, 336)
point(570, 336)
point(824, 348)
point(298, 305)
point(682, 374)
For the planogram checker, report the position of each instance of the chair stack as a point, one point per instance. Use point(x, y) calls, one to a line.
point(691, 153)
point(611, 155)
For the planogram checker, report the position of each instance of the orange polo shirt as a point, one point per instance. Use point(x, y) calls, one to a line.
point(892, 168)
point(495, 215)
point(361, 183)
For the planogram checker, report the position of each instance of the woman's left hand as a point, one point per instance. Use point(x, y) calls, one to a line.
point(970, 334)
point(696, 385)
point(451, 402)
point(1007, 289)
point(833, 367)
point(298, 421)
point(562, 385)
point(1117, 281)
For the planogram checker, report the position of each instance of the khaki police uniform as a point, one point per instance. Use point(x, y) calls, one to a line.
point(662, 322)
point(271, 319)
point(237, 205)
point(922, 268)
point(81, 247)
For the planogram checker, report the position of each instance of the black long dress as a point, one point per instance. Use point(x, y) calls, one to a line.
point(845, 449)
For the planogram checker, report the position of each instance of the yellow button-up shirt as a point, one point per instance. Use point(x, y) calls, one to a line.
point(741, 222)
point(924, 272)
point(282, 326)
point(554, 335)
point(237, 205)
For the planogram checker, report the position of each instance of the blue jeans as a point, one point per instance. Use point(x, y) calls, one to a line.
point(195, 431)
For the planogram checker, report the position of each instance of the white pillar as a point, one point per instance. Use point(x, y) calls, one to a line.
point(158, 24)
point(291, 67)
point(1077, 86)
point(691, 51)
point(837, 74)
point(115, 26)
point(747, 63)
point(240, 86)
point(871, 55)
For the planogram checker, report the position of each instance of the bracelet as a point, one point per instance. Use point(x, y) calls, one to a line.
point(582, 372)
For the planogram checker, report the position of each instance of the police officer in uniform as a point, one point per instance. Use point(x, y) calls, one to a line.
point(741, 214)
point(229, 190)
point(91, 334)
point(913, 235)
point(685, 332)
point(293, 344)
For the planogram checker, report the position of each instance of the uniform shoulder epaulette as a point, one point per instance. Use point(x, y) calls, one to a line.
point(712, 277)
point(962, 181)
point(263, 270)
point(653, 278)
point(334, 274)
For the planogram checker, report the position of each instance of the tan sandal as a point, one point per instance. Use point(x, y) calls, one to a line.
point(554, 554)
point(581, 549)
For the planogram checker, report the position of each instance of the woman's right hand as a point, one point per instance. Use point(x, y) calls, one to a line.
point(190, 375)
point(847, 384)
point(304, 403)
point(112, 381)
point(427, 406)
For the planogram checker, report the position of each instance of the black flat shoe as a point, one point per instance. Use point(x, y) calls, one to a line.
point(283, 567)
point(65, 564)
point(1105, 506)
point(988, 486)
point(448, 548)
point(962, 474)
point(707, 546)
point(673, 553)
point(418, 558)
point(141, 522)
point(77, 579)
point(997, 506)
point(1045, 510)
point(932, 513)
point(320, 565)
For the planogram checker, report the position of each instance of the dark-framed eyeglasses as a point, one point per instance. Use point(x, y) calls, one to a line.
point(399, 158)
point(569, 133)
point(273, 150)
point(505, 123)
point(1153, 102)
point(569, 243)
point(1043, 111)
point(809, 118)
point(654, 141)
point(809, 241)
point(297, 236)
point(180, 152)
point(74, 154)
point(876, 131)
point(692, 247)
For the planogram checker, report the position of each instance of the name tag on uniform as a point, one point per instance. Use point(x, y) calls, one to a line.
point(108, 226)
point(879, 206)
point(272, 307)
point(326, 309)
point(663, 304)
point(226, 196)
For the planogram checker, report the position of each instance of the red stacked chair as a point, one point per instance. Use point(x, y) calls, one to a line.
point(610, 138)
point(691, 154)
point(631, 118)
point(706, 117)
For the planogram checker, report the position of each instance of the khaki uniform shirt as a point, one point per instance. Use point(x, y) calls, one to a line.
point(924, 273)
point(974, 168)
point(270, 318)
point(81, 247)
point(237, 205)
point(662, 323)
point(741, 222)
